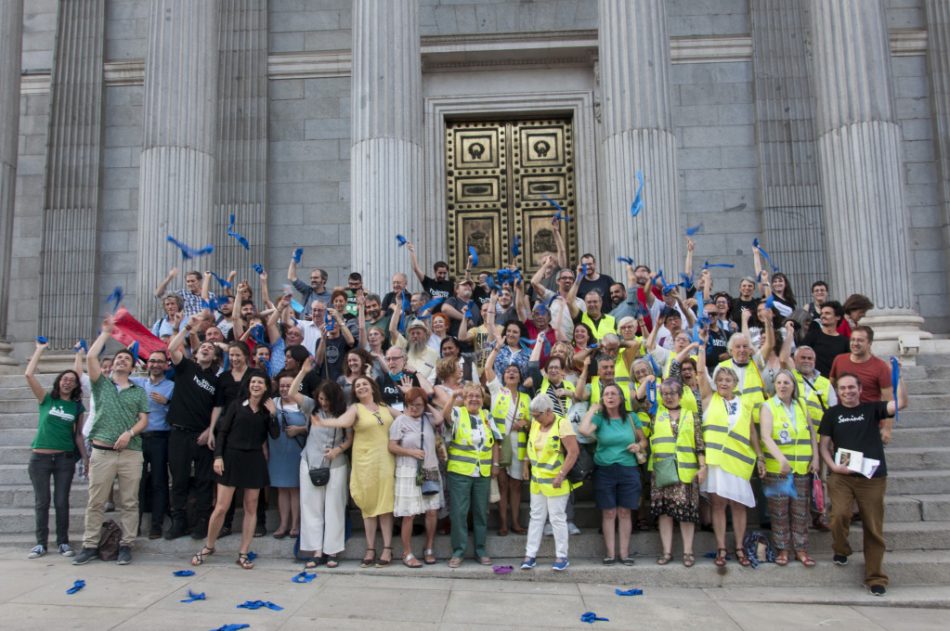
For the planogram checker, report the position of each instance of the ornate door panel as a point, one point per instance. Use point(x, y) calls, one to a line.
point(497, 174)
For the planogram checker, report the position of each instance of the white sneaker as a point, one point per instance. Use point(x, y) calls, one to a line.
point(65, 550)
point(548, 530)
point(37, 552)
point(572, 528)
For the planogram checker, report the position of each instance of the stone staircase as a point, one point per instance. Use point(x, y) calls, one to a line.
point(917, 508)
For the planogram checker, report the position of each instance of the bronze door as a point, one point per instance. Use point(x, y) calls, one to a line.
point(497, 176)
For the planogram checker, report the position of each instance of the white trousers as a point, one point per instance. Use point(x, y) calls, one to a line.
point(323, 511)
point(542, 509)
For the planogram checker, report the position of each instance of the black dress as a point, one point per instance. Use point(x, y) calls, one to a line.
point(239, 439)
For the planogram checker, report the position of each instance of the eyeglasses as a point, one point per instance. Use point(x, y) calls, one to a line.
point(392, 359)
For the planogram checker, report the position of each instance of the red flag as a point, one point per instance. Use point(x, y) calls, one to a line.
point(127, 330)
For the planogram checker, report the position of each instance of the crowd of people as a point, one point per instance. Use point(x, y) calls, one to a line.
point(676, 402)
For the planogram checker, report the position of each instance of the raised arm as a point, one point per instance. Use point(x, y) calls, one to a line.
point(30, 372)
point(93, 368)
point(178, 340)
point(265, 293)
point(489, 372)
point(162, 286)
point(580, 390)
point(785, 354)
point(559, 245)
point(690, 246)
point(522, 305)
point(702, 374)
point(206, 287)
point(587, 427)
point(768, 343)
point(237, 322)
point(292, 271)
point(539, 289)
point(344, 330)
point(273, 331)
point(415, 263)
point(572, 294)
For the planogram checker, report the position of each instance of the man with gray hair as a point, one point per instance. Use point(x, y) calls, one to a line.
point(316, 290)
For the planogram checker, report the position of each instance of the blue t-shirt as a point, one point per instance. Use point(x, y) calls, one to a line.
point(156, 412)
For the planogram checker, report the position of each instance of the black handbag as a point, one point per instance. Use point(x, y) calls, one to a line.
point(320, 476)
point(583, 467)
point(429, 486)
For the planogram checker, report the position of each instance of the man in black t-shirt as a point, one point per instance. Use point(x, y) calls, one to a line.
point(593, 281)
point(439, 287)
point(863, 427)
point(396, 377)
point(192, 412)
point(824, 339)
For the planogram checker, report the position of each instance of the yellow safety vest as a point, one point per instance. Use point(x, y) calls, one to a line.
point(501, 410)
point(817, 399)
point(688, 401)
point(547, 464)
point(730, 450)
point(605, 325)
point(752, 389)
point(595, 393)
point(565, 384)
point(663, 444)
point(794, 441)
point(621, 374)
point(645, 421)
point(669, 364)
point(463, 456)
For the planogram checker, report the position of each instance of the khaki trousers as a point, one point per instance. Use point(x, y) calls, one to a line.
point(869, 494)
point(104, 467)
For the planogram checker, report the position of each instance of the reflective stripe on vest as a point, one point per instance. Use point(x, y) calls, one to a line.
point(730, 450)
point(815, 397)
point(546, 465)
point(595, 393)
point(502, 409)
point(463, 456)
point(606, 325)
point(793, 441)
point(663, 444)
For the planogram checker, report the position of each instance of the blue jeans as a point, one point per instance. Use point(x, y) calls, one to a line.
point(60, 466)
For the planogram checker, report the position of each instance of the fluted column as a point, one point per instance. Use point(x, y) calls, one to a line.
point(860, 159)
point(785, 139)
point(386, 156)
point(68, 302)
point(178, 163)
point(634, 52)
point(241, 183)
point(938, 52)
point(11, 32)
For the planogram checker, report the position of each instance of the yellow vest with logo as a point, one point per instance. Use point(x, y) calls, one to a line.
point(730, 450)
point(546, 465)
point(502, 409)
point(794, 441)
point(463, 456)
point(605, 325)
point(663, 444)
point(817, 399)
point(752, 389)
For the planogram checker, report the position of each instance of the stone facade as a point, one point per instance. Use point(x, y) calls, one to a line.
point(726, 173)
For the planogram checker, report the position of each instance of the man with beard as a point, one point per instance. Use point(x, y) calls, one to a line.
point(873, 372)
point(398, 379)
point(335, 342)
point(373, 315)
point(598, 322)
point(316, 290)
point(640, 277)
point(593, 281)
point(439, 287)
point(746, 300)
point(824, 338)
point(399, 291)
point(192, 414)
point(557, 302)
point(456, 306)
point(420, 357)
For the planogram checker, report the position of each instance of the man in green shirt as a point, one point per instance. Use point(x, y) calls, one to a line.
point(121, 415)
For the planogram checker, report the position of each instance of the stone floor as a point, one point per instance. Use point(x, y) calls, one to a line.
point(145, 595)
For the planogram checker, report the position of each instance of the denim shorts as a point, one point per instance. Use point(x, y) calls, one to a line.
point(617, 486)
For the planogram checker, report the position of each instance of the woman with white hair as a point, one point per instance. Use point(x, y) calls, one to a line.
point(731, 443)
point(551, 453)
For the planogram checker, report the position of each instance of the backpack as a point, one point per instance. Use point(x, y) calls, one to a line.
point(109, 536)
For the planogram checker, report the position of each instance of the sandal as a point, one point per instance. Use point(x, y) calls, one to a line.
point(781, 559)
point(502, 532)
point(293, 534)
point(689, 559)
point(742, 558)
point(429, 556)
point(245, 562)
point(332, 561)
point(411, 561)
point(805, 560)
point(279, 535)
point(454, 562)
point(721, 557)
point(381, 562)
point(368, 559)
point(628, 561)
point(609, 560)
point(664, 559)
point(314, 562)
point(518, 530)
point(199, 558)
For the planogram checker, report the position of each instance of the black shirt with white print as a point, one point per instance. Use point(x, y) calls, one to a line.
point(858, 429)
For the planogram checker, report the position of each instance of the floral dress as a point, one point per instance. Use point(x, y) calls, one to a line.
point(679, 501)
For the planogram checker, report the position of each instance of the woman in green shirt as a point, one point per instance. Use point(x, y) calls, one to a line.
point(58, 437)
point(617, 476)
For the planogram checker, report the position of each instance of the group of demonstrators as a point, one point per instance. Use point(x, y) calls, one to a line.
point(675, 403)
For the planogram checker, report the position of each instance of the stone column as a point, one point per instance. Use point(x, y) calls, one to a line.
point(634, 55)
point(938, 56)
point(178, 163)
point(386, 155)
point(11, 32)
point(69, 305)
point(785, 139)
point(859, 150)
point(241, 183)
